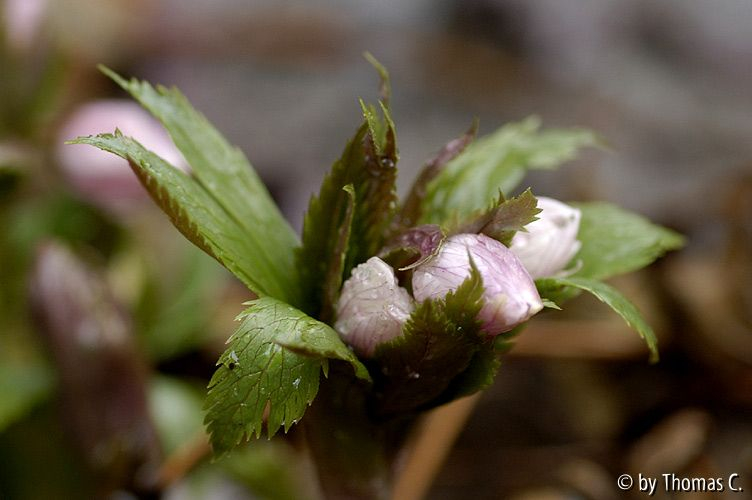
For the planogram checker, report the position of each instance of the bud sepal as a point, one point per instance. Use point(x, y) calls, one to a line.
point(438, 342)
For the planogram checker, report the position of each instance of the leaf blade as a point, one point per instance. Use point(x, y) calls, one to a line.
point(256, 371)
point(385, 84)
point(615, 241)
point(506, 218)
point(192, 211)
point(311, 337)
point(616, 301)
point(226, 175)
point(368, 165)
point(498, 161)
point(411, 211)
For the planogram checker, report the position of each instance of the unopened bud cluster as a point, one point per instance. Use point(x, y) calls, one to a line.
point(373, 307)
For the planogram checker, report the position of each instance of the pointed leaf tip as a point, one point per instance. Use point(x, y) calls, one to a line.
point(385, 86)
point(616, 301)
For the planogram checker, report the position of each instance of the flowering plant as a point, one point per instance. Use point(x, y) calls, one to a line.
point(403, 307)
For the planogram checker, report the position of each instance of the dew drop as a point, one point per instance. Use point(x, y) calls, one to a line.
point(387, 163)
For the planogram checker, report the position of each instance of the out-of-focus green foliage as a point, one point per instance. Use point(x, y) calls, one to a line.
point(175, 317)
point(615, 300)
point(176, 409)
point(497, 162)
point(269, 470)
point(615, 241)
point(22, 385)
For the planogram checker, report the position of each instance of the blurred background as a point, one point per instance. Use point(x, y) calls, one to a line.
point(110, 322)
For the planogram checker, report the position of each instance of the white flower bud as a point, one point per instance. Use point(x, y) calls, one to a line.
point(509, 292)
point(551, 241)
point(372, 307)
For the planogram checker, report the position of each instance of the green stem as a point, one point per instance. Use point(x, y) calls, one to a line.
point(354, 454)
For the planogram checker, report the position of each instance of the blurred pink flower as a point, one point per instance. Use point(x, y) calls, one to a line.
point(101, 177)
point(23, 20)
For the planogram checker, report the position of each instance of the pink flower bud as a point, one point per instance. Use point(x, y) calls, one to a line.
point(372, 307)
point(551, 241)
point(509, 292)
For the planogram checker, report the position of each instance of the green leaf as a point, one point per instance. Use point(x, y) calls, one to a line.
point(380, 128)
point(336, 264)
point(196, 214)
point(256, 371)
point(615, 241)
point(175, 407)
point(471, 181)
point(611, 297)
point(439, 340)
point(506, 218)
point(385, 86)
point(22, 386)
point(269, 470)
point(554, 293)
point(504, 342)
point(223, 173)
point(310, 337)
point(479, 375)
point(412, 208)
point(550, 304)
point(370, 171)
point(174, 317)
